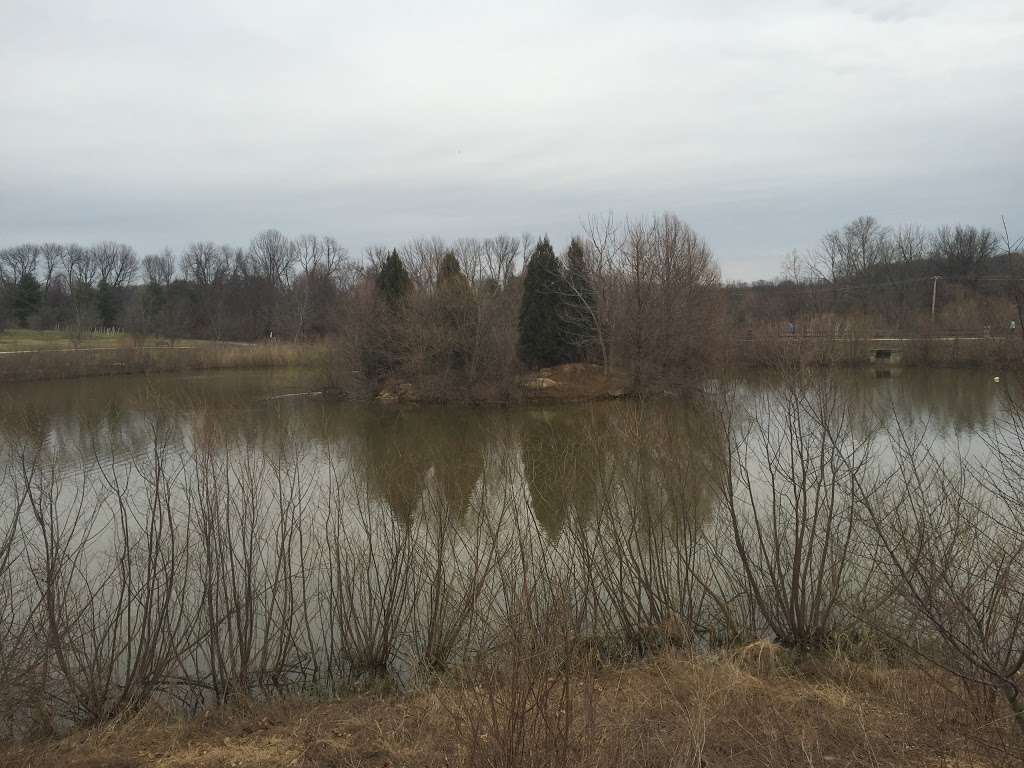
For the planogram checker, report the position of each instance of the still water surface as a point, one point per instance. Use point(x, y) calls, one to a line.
point(399, 452)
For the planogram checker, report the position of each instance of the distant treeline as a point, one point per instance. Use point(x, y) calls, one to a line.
point(458, 317)
point(903, 279)
point(642, 295)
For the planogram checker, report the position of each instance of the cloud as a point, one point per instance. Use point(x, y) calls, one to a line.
point(162, 124)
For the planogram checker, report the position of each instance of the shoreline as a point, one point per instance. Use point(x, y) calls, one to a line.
point(57, 364)
point(1006, 352)
point(568, 383)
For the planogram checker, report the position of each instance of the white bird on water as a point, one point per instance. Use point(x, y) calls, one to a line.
point(996, 379)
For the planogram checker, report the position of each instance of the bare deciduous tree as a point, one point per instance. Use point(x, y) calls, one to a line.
point(909, 244)
point(115, 263)
point(951, 549)
point(667, 271)
point(273, 257)
point(158, 269)
point(966, 250)
point(796, 471)
point(19, 261)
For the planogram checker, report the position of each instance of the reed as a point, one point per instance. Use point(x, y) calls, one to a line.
point(126, 358)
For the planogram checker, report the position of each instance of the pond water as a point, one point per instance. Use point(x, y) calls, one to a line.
point(234, 532)
point(86, 425)
point(110, 418)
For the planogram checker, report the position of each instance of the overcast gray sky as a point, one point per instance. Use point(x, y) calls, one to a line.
point(762, 124)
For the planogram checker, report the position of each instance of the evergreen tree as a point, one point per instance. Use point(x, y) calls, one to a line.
point(543, 335)
point(450, 278)
point(393, 280)
point(106, 304)
point(450, 267)
point(580, 302)
point(455, 312)
point(28, 295)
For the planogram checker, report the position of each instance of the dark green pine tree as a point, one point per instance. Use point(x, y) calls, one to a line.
point(393, 280)
point(449, 274)
point(28, 295)
point(450, 267)
point(543, 335)
point(580, 302)
point(454, 305)
point(106, 304)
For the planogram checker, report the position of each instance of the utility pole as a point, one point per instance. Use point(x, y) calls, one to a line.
point(935, 286)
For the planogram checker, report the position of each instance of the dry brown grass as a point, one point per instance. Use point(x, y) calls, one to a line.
point(185, 356)
point(577, 382)
point(566, 383)
point(765, 347)
point(21, 340)
point(751, 708)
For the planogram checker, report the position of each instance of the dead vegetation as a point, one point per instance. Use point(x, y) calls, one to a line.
point(576, 382)
point(129, 357)
point(794, 586)
point(565, 383)
point(753, 707)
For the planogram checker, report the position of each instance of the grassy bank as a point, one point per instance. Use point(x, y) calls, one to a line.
point(566, 383)
point(1006, 352)
point(58, 358)
point(582, 382)
point(752, 707)
point(22, 339)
